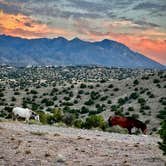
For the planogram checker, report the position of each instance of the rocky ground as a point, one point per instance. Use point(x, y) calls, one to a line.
point(23, 144)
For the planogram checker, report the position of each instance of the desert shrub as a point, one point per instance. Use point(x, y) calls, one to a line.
point(103, 98)
point(75, 101)
point(67, 98)
point(16, 93)
point(43, 117)
point(145, 78)
point(49, 103)
point(145, 107)
point(102, 81)
point(156, 81)
point(69, 119)
point(51, 119)
point(90, 86)
point(119, 112)
point(110, 86)
point(81, 92)
point(94, 121)
point(116, 89)
point(127, 113)
point(162, 114)
point(89, 102)
point(134, 95)
point(3, 114)
point(71, 94)
point(114, 108)
point(92, 112)
point(109, 102)
point(13, 98)
point(33, 92)
point(55, 98)
point(1, 94)
point(35, 106)
point(97, 85)
point(158, 85)
point(84, 110)
point(82, 86)
point(94, 95)
point(135, 82)
point(162, 133)
point(117, 129)
point(78, 123)
point(131, 109)
point(67, 103)
point(142, 101)
point(57, 114)
point(121, 101)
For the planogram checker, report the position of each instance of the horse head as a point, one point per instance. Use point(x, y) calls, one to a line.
point(109, 121)
point(144, 129)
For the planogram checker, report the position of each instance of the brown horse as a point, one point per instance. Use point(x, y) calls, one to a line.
point(127, 122)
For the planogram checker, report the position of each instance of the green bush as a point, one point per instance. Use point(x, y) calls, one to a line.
point(141, 101)
point(1, 94)
point(162, 114)
point(57, 114)
point(89, 102)
point(84, 110)
point(43, 117)
point(156, 81)
point(162, 133)
point(131, 109)
point(121, 101)
point(82, 86)
point(134, 95)
point(33, 92)
point(94, 121)
point(136, 82)
point(78, 123)
point(94, 95)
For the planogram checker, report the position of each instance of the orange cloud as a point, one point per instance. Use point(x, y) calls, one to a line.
point(23, 26)
point(153, 48)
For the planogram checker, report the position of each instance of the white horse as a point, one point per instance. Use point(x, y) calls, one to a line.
point(24, 113)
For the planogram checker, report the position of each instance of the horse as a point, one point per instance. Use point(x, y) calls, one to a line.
point(127, 122)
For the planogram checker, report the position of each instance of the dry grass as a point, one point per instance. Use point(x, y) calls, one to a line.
point(38, 133)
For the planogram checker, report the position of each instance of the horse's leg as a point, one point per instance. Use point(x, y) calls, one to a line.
point(129, 130)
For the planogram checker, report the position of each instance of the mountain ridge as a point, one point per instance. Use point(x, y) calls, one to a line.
point(61, 51)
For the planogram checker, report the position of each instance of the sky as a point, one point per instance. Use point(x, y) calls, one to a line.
point(139, 24)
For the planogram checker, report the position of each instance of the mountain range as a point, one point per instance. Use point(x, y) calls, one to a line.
point(60, 51)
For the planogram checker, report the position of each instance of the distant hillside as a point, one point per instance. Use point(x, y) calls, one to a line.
point(60, 51)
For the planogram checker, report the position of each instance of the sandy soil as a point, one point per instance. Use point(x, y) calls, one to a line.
point(35, 145)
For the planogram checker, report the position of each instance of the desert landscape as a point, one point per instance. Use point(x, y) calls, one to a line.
point(68, 98)
point(23, 144)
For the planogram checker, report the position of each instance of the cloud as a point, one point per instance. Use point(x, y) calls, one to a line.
point(23, 26)
point(150, 6)
point(10, 7)
point(149, 42)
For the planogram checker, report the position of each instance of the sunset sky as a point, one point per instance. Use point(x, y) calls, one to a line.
point(139, 24)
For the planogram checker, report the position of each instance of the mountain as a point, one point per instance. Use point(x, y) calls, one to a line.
point(60, 51)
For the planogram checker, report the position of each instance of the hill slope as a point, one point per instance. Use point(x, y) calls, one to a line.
point(45, 145)
point(60, 51)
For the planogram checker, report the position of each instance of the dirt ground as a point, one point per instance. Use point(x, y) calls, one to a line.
point(37, 145)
